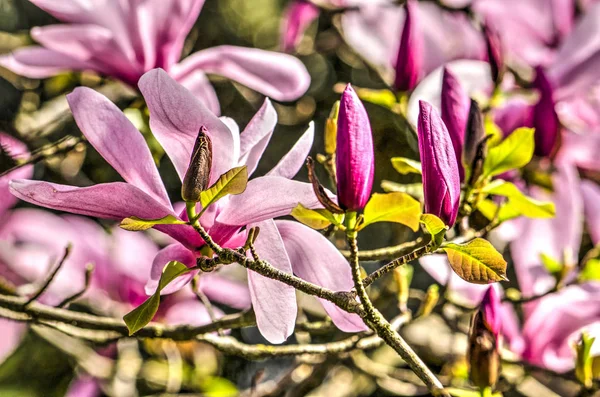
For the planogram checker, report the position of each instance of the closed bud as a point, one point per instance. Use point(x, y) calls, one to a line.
point(441, 180)
point(495, 52)
point(483, 352)
point(455, 112)
point(409, 61)
point(545, 118)
point(474, 133)
point(197, 176)
point(354, 160)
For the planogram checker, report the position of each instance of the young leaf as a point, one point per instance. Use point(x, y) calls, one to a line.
point(233, 181)
point(384, 98)
point(434, 226)
point(144, 313)
point(552, 265)
point(392, 207)
point(513, 152)
point(527, 206)
point(583, 361)
point(406, 166)
point(136, 224)
point(316, 219)
point(415, 190)
point(477, 261)
point(591, 271)
point(489, 209)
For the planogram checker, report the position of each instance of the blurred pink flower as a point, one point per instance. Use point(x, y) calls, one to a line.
point(298, 16)
point(15, 149)
point(125, 39)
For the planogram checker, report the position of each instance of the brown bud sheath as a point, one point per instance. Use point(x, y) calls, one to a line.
point(474, 133)
point(197, 176)
point(320, 190)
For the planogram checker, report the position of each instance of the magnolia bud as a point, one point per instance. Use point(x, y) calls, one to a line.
point(483, 351)
point(409, 61)
point(197, 176)
point(545, 118)
point(494, 52)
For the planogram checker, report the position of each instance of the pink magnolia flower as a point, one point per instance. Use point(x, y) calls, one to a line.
point(441, 180)
point(125, 39)
point(298, 16)
point(175, 119)
point(355, 162)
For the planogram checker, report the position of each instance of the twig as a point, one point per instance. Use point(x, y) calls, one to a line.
point(205, 301)
point(50, 278)
point(386, 253)
point(89, 270)
point(403, 260)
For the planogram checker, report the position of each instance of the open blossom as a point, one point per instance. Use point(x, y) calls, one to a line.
point(176, 116)
point(125, 39)
point(355, 162)
point(441, 180)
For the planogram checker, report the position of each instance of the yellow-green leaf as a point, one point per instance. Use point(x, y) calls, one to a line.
point(392, 207)
point(414, 190)
point(384, 98)
point(136, 224)
point(434, 226)
point(331, 129)
point(526, 206)
point(552, 265)
point(591, 271)
point(144, 313)
point(476, 261)
point(233, 181)
point(489, 209)
point(406, 166)
point(513, 152)
point(316, 219)
point(583, 361)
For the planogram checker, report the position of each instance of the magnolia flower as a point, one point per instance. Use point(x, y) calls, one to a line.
point(355, 162)
point(298, 16)
point(455, 111)
point(409, 62)
point(441, 180)
point(125, 39)
point(545, 120)
point(176, 117)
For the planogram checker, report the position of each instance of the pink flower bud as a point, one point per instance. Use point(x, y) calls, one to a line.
point(545, 119)
point(495, 52)
point(409, 62)
point(298, 16)
point(455, 112)
point(354, 160)
point(441, 180)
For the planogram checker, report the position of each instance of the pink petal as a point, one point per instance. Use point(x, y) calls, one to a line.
point(294, 160)
point(189, 312)
point(316, 260)
point(298, 16)
point(117, 140)
point(175, 119)
point(274, 302)
point(199, 85)
point(220, 289)
point(81, 42)
point(590, 192)
point(173, 252)
point(38, 62)
point(12, 332)
point(256, 136)
point(279, 76)
point(267, 197)
point(15, 149)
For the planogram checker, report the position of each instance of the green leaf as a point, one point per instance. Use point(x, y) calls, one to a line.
point(507, 211)
point(392, 207)
point(414, 190)
point(136, 224)
point(384, 98)
point(526, 206)
point(406, 166)
point(144, 313)
point(434, 226)
point(477, 261)
point(552, 265)
point(233, 181)
point(316, 219)
point(583, 361)
point(513, 152)
point(591, 271)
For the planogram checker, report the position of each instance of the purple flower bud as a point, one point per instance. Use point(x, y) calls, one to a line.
point(483, 352)
point(354, 160)
point(455, 110)
point(441, 180)
point(495, 52)
point(197, 175)
point(473, 151)
point(545, 119)
point(409, 62)
point(298, 16)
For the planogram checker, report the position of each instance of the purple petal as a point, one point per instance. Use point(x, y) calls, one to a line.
point(294, 160)
point(189, 312)
point(455, 113)
point(298, 16)
point(279, 76)
point(267, 197)
point(82, 42)
point(409, 61)
point(316, 260)
point(175, 119)
point(355, 159)
point(256, 136)
point(117, 140)
point(545, 120)
point(173, 252)
point(84, 387)
point(38, 62)
point(199, 85)
point(274, 302)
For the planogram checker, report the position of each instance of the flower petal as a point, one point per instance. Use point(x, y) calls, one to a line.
point(590, 192)
point(267, 197)
point(38, 63)
point(173, 252)
point(292, 162)
point(14, 149)
point(279, 76)
point(221, 289)
point(274, 302)
point(256, 136)
point(117, 140)
point(82, 42)
point(298, 16)
point(175, 119)
point(199, 85)
point(189, 312)
point(316, 260)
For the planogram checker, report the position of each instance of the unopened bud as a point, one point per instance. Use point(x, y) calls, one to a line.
point(483, 351)
point(494, 52)
point(197, 176)
point(474, 133)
